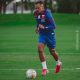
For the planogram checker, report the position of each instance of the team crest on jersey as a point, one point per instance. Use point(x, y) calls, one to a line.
point(43, 16)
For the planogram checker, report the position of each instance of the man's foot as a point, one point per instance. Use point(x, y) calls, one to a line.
point(58, 67)
point(44, 72)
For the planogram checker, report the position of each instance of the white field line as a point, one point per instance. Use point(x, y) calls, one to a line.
point(40, 69)
point(32, 53)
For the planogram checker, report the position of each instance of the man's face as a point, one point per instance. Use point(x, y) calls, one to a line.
point(39, 7)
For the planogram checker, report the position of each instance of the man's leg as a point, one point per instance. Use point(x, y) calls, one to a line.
point(54, 54)
point(42, 58)
point(58, 62)
point(41, 52)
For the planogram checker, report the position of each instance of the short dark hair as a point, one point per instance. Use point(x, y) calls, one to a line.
point(39, 2)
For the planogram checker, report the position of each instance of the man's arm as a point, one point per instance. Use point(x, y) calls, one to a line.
point(37, 27)
point(35, 15)
point(50, 20)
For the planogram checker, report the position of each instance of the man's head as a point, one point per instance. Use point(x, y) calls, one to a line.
point(39, 6)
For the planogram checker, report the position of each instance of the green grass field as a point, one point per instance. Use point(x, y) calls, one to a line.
point(18, 47)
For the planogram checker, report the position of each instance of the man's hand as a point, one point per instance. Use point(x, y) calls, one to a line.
point(41, 26)
point(37, 30)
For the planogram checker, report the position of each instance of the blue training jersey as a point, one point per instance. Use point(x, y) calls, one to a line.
point(45, 18)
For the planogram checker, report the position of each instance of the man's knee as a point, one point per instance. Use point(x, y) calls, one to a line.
point(52, 51)
point(40, 48)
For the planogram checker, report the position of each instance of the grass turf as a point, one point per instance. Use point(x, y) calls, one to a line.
point(18, 48)
point(13, 67)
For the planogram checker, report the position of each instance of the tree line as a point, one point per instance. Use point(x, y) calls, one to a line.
point(63, 6)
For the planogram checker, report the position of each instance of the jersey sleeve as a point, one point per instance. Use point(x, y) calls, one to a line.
point(50, 20)
point(35, 15)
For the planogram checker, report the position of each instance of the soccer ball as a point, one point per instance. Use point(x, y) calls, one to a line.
point(31, 74)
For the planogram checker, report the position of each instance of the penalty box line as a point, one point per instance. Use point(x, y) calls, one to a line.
point(64, 69)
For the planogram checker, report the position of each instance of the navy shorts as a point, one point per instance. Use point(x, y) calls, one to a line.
point(48, 39)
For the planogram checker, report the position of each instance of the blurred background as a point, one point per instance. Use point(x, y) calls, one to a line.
point(27, 6)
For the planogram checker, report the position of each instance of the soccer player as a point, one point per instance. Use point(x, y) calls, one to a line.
point(45, 29)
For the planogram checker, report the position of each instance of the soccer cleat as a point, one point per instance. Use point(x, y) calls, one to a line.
point(58, 67)
point(44, 72)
